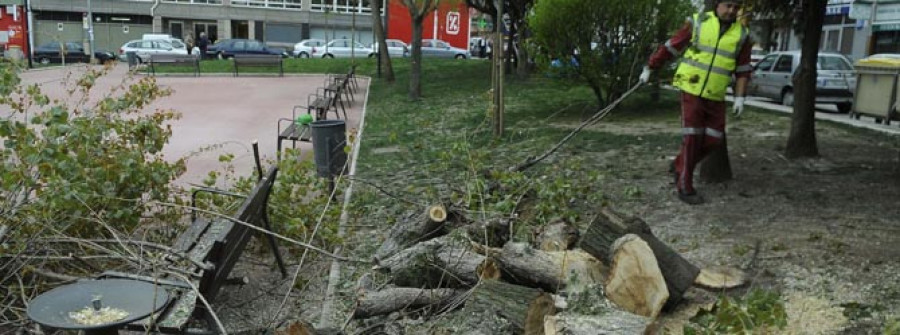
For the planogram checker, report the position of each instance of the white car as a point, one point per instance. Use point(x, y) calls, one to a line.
point(308, 48)
point(396, 48)
point(145, 48)
point(342, 49)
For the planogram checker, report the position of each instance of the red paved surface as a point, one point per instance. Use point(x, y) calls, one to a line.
point(217, 110)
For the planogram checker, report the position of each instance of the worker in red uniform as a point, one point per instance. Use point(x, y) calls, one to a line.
point(716, 47)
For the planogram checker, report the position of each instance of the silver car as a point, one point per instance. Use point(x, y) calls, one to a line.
point(308, 48)
point(438, 48)
point(396, 48)
point(346, 48)
point(836, 81)
point(145, 48)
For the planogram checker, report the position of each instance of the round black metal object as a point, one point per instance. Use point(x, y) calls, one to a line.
point(137, 298)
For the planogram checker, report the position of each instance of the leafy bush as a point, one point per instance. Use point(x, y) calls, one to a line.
point(69, 165)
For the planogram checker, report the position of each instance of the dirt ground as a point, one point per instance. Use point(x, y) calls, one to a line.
point(822, 232)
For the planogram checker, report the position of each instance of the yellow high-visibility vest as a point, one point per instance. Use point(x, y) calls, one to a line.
point(711, 59)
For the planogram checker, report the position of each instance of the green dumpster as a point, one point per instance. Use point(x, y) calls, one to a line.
point(877, 89)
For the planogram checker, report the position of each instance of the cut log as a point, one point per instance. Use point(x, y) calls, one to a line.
point(304, 328)
point(552, 271)
point(415, 229)
point(442, 262)
point(719, 277)
point(489, 269)
point(524, 307)
point(614, 322)
point(609, 226)
point(394, 299)
point(557, 236)
point(493, 233)
point(635, 282)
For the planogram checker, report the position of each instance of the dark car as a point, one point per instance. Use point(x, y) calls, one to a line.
point(74, 53)
point(227, 48)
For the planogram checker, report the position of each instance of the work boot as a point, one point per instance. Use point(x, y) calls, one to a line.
point(690, 198)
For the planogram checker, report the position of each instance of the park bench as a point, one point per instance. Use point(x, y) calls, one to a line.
point(192, 61)
point(205, 254)
point(292, 131)
point(242, 60)
point(325, 99)
point(350, 76)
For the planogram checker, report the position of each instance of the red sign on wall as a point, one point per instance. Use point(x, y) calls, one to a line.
point(450, 23)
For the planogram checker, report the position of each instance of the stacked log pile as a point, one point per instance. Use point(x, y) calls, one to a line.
point(441, 261)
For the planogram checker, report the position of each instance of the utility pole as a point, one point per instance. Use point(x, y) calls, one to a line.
point(90, 32)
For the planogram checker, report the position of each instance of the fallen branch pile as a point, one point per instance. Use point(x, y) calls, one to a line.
point(442, 260)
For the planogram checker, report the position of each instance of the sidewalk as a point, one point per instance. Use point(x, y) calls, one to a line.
point(827, 112)
point(223, 113)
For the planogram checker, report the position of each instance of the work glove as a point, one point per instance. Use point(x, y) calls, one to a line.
point(645, 75)
point(738, 106)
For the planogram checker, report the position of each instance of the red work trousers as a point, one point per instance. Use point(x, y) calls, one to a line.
point(702, 129)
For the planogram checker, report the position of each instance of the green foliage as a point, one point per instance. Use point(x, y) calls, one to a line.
point(73, 165)
point(759, 312)
point(625, 33)
point(892, 327)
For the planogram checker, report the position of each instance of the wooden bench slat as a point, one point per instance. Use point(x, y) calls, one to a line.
point(244, 60)
point(189, 238)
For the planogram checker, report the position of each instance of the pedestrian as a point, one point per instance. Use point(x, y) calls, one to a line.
point(203, 43)
point(716, 46)
point(189, 42)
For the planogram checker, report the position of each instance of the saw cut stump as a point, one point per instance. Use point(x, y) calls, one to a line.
point(441, 262)
point(524, 307)
point(635, 282)
point(413, 230)
point(609, 226)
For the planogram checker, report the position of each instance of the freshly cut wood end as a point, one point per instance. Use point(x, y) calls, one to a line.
point(539, 308)
point(635, 282)
point(488, 269)
point(720, 277)
point(437, 213)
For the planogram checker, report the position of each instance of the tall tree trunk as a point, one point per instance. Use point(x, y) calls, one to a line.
point(386, 67)
point(802, 139)
point(415, 69)
point(716, 168)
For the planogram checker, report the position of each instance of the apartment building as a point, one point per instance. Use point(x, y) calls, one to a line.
point(276, 22)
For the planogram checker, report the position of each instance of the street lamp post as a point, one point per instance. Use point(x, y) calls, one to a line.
point(90, 32)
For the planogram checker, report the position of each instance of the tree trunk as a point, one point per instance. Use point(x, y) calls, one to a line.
point(716, 168)
point(441, 262)
point(493, 233)
point(552, 271)
point(408, 232)
point(524, 307)
point(387, 67)
point(609, 226)
point(394, 299)
point(802, 139)
point(635, 282)
point(611, 322)
point(415, 67)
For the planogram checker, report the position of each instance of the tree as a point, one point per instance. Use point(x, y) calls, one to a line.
point(418, 11)
point(809, 16)
point(383, 56)
point(612, 38)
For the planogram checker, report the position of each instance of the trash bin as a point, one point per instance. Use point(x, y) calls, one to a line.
point(877, 89)
point(132, 59)
point(329, 139)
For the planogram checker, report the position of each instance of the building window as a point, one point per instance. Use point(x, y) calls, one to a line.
point(284, 4)
point(204, 2)
point(344, 6)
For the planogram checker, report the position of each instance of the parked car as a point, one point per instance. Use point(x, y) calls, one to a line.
point(438, 48)
point(836, 81)
point(308, 48)
point(396, 48)
point(74, 53)
point(146, 48)
point(227, 48)
point(345, 48)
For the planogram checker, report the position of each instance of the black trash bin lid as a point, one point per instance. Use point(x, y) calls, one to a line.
point(138, 298)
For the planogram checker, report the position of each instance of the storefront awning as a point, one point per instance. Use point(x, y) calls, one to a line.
point(886, 26)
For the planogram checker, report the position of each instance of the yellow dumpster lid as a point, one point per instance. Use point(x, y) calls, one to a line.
point(880, 60)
